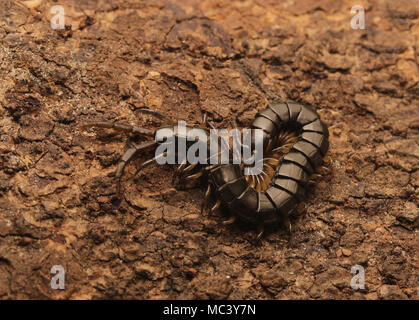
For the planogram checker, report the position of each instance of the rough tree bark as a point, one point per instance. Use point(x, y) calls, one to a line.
point(57, 193)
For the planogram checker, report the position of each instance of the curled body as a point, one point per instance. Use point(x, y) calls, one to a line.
point(287, 187)
point(295, 141)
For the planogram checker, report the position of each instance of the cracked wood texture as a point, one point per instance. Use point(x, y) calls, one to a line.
point(58, 204)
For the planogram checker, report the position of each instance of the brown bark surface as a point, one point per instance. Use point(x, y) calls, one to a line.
point(58, 203)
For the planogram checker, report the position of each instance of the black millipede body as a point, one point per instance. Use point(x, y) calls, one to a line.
point(295, 141)
point(287, 186)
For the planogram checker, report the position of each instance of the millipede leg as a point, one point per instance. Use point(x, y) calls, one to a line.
point(119, 127)
point(235, 124)
point(322, 170)
point(214, 158)
point(190, 167)
point(284, 135)
point(216, 206)
point(315, 176)
point(210, 167)
point(208, 192)
point(179, 169)
point(269, 169)
point(269, 146)
point(265, 180)
point(127, 157)
point(272, 161)
point(327, 160)
point(150, 161)
point(301, 207)
point(205, 119)
point(182, 165)
point(260, 232)
point(156, 114)
point(312, 179)
point(283, 149)
point(195, 176)
point(251, 181)
point(290, 139)
point(229, 221)
point(257, 185)
point(206, 198)
point(211, 125)
point(287, 223)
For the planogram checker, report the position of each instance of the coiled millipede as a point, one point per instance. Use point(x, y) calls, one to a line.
point(295, 143)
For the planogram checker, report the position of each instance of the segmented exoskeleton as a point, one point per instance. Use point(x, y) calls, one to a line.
point(295, 142)
point(258, 201)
